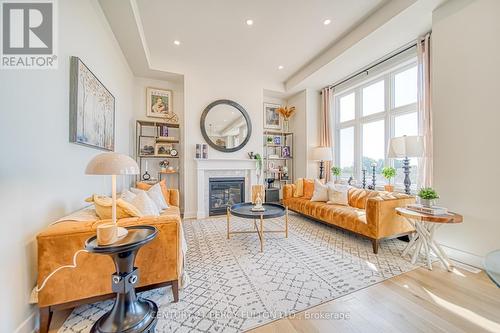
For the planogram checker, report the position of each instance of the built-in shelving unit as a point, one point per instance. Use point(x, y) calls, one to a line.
point(150, 134)
point(278, 157)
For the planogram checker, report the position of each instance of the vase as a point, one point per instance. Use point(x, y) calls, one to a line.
point(427, 202)
point(285, 125)
point(389, 188)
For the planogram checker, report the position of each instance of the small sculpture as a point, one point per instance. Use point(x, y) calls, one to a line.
point(258, 204)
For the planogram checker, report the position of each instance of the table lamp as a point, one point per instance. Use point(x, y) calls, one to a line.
point(111, 164)
point(321, 154)
point(405, 147)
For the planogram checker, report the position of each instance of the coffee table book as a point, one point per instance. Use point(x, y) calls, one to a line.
point(434, 210)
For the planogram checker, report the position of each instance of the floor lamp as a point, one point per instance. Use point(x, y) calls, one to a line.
point(322, 154)
point(111, 164)
point(406, 147)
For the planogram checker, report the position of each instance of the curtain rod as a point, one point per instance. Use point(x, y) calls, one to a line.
point(405, 48)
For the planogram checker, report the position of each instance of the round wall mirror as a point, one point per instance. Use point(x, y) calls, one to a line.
point(225, 125)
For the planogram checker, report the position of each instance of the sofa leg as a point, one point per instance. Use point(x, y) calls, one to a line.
point(375, 243)
point(45, 318)
point(175, 290)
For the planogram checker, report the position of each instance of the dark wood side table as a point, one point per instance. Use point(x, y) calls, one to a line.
point(129, 313)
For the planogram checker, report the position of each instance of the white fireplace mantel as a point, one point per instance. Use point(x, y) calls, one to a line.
point(222, 167)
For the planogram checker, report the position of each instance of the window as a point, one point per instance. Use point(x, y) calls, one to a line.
point(346, 144)
point(347, 107)
point(369, 114)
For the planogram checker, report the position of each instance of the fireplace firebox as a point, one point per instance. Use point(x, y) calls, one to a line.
point(225, 192)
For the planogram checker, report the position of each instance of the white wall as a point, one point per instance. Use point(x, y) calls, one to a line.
point(41, 173)
point(202, 87)
point(465, 49)
point(177, 88)
point(298, 126)
point(305, 125)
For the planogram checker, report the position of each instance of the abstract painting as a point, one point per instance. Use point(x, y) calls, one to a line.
point(92, 109)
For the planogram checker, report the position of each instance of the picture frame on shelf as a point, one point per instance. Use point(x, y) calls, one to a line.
point(163, 149)
point(277, 140)
point(272, 118)
point(285, 152)
point(159, 105)
point(147, 146)
point(91, 109)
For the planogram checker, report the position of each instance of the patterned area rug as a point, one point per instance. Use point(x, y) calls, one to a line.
point(234, 287)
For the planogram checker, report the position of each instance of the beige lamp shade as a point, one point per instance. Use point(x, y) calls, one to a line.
point(322, 154)
point(406, 146)
point(112, 164)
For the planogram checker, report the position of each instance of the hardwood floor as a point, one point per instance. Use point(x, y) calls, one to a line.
point(418, 301)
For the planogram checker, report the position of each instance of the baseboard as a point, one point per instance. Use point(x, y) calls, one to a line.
point(29, 325)
point(464, 257)
point(189, 215)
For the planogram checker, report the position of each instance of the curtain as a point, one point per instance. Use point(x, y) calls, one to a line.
point(425, 109)
point(325, 130)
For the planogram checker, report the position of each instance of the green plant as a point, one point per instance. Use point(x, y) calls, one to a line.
point(389, 173)
point(336, 171)
point(428, 193)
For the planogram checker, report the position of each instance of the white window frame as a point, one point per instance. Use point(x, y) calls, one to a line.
point(389, 115)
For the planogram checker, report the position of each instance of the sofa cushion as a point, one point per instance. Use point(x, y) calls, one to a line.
point(103, 207)
point(358, 197)
point(308, 188)
point(166, 194)
point(320, 191)
point(338, 194)
point(299, 188)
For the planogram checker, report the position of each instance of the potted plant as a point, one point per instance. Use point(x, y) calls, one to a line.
point(336, 172)
point(389, 173)
point(427, 196)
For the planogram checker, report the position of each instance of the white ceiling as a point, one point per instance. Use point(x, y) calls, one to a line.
point(214, 33)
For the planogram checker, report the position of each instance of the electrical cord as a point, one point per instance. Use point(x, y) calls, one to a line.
point(58, 269)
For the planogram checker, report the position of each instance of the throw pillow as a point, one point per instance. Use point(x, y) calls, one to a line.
point(103, 206)
point(338, 194)
point(308, 188)
point(128, 196)
point(156, 194)
point(299, 188)
point(145, 204)
point(320, 191)
point(145, 186)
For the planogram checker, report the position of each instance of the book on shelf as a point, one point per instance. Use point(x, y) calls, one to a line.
point(434, 210)
point(166, 138)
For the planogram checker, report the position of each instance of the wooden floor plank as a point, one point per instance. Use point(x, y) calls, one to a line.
point(417, 301)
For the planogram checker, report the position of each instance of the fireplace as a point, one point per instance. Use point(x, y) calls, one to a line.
point(225, 192)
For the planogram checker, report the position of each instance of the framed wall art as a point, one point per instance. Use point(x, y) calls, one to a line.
point(272, 119)
point(92, 109)
point(159, 105)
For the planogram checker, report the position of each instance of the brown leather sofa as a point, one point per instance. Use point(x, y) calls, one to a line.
point(159, 262)
point(370, 213)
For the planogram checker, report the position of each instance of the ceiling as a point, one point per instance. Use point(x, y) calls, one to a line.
point(288, 33)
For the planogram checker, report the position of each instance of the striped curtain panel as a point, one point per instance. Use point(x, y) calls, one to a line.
point(325, 129)
point(424, 109)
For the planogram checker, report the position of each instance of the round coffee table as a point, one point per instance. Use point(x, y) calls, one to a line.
point(129, 313)
point(425, 226)
point(244, 210)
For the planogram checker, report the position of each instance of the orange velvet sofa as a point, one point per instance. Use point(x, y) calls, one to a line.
point(159, 262)
point(370, 213)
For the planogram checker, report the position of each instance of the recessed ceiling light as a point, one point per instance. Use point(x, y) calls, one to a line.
point(280, 67)
point(249, 22)
point(176, 42)
point(327, 22)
